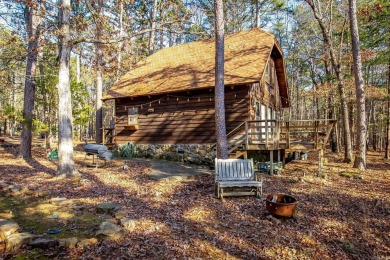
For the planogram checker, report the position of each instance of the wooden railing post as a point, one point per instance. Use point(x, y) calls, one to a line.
point(266, 133)
point(246, 135)
point(288, 134)
point(277, 137)
point(316, 123)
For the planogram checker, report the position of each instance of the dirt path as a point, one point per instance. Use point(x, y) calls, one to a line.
point(165, 169)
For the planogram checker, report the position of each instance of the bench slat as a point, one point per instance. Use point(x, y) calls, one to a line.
point(224, 184)
point(234, 169)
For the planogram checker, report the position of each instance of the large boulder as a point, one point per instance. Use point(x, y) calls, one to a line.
point(107, 208)
point(17, 240)
point(109, 231)
point(7, 228)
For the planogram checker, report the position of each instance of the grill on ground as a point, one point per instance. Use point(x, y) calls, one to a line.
point(92, 149)
point(97, 149)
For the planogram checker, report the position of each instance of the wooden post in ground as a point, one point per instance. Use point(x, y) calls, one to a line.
point(320, 161)
point(271, 159)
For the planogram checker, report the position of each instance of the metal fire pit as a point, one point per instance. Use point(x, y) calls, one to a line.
point(281, 205)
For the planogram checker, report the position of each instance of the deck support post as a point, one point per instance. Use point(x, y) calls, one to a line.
point(271, 159)
point(320, 161)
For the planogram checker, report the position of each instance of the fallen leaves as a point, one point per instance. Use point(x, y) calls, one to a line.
point(337, 217)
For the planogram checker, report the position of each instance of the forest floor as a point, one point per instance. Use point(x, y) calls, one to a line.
point(341, 214)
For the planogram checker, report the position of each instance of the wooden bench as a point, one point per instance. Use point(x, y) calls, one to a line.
point(238, 177)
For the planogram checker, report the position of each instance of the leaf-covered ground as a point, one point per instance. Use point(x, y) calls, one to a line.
point(342, 214)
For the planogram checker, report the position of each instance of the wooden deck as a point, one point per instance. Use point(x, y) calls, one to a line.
point(278, 135)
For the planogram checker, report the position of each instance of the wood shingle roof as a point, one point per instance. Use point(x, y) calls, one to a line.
point(191, 66)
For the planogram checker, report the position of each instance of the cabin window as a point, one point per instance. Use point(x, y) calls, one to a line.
point(257, 105)
point(263, 110)
point(270, 114)
point(270, 72)
point(132, 116)
point(270, 77)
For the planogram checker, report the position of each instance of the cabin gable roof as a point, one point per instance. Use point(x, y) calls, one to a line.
point(191, 66)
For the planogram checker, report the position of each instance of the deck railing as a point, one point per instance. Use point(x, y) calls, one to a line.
point(275, 134)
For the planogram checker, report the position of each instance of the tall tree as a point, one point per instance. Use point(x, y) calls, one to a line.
point(387, 141)
point(153, 16)
point(315, 5)
point(66, 165)
point(220, 124)
point(99, 72)
point(360, 159)
point(34, 29)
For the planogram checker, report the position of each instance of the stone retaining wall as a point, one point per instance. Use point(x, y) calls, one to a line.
point(188, 153)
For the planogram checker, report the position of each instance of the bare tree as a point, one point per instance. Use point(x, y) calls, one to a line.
point(220, 124)
point(315, 5)
point(66, 165)
point(360, 159)
point(34, 23)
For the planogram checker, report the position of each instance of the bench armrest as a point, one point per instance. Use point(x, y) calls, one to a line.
point(259, 176)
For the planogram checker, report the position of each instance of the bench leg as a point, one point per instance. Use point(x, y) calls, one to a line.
point(220, 191)
point(216, 190)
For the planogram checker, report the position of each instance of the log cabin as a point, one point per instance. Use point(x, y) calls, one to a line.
point(167, 101)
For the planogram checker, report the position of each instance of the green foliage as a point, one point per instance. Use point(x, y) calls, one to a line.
point(81, 108)
point(39, 127)
point(128, 150)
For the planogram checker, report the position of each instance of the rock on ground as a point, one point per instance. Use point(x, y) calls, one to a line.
point(107, 208)
point(86, 242)
point(121, 214)
point(17, 240)
point(273, 219)
point(128, 223)
point(68, 242)
point(44, 243)
point(7, 228)
point(110, 231)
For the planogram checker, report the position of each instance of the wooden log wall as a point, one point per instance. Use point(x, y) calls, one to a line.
point(180, 118)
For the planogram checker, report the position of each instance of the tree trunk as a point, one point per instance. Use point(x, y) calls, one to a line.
point(99, 75)
point(152, 37)
point(120, 44)
point(66, 164)
point(257, 8)
point(33, 21)
point(387, 145)
point(78, 67)
point(315, 88)
point(360, 159)
point(220, 124)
